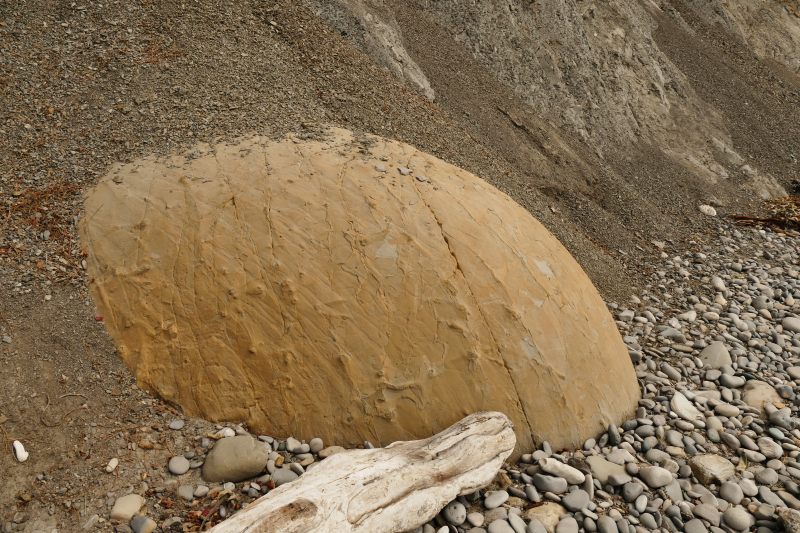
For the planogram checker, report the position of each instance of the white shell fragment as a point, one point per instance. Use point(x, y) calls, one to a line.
point(19, 452)
point(708, 210)
point(226, 432)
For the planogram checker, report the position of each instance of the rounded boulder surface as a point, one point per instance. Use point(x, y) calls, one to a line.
point(236, 459)
point(246, 281)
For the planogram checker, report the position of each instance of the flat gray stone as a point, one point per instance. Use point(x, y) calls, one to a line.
point(601, 468)
point(749, 488)
point(694, 526)
point(176, 424)
point(535, 526)
point(315, 445)
point(715, 355)
point(764, 511)
point(673, 491)
point(544, 483)
point(282, 476)
point(791, 323)
point(617, 480)
point(726, 409)
point(730, 440)
point(655, 476)
point(737, 518)
point(517, 524)
point(648, 521)
point(707, 512)
point(767, 496)
point(606, 524)
point(760, 302)
point(576, 500)
point(178, 465)
point(731, 492)
point(754, 457)
point(732, 382)
point(767, 477)
point(495, 499)
point(501, 526)
point(568, 525)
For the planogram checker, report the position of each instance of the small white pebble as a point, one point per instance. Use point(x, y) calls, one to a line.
point(19, 452)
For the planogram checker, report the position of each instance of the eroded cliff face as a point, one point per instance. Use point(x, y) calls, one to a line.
point(349, 289)
point(667, 81)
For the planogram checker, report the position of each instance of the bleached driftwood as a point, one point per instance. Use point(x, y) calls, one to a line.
point(387, 490)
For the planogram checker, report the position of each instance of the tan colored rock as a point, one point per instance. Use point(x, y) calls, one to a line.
point(126, 506)
point(709, 468)
point(757, 393)
point(547, 514)
point(292, 286)
point(236, 459)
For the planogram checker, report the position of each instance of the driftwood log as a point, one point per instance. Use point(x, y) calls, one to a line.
point(388, 490)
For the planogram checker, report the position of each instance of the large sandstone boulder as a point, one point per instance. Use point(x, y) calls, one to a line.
point(309, 288)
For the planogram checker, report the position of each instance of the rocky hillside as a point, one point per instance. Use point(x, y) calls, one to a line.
point(620, 114)
point(609, 121)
